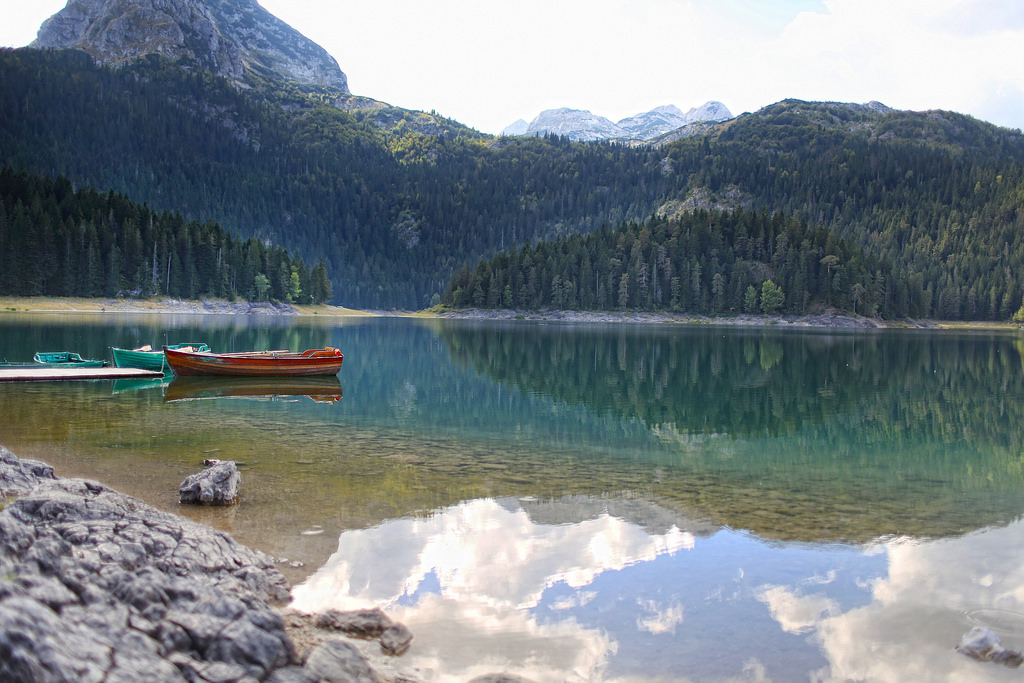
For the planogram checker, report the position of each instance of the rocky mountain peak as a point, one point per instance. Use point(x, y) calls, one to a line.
point(581, 125)
point(237, 39)
point(576, 124)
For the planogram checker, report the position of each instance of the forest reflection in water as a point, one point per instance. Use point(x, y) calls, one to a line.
point(861, 435)
point(610, 500)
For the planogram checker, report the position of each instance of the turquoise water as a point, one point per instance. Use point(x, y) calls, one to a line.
point(592, 502)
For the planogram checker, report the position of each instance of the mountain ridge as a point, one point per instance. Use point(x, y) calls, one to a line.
point(397, 201)
point(581, 125)
point(237, 39)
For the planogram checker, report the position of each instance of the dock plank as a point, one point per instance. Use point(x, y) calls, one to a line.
point(73, 374)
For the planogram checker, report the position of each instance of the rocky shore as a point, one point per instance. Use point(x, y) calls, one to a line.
point(820, 320)
point(165, 305)
point(829, 319)
point(98, 586)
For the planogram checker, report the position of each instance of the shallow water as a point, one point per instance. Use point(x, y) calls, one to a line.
point(592, 502)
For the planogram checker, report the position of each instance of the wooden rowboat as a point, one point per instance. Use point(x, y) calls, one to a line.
point(314, 362)
point(148, 359)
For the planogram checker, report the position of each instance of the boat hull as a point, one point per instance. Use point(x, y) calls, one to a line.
point(149, 360)
point(65, 359)
point(312, 363)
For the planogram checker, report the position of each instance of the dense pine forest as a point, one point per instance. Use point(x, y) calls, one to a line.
point(391, 212)
point(938, 195)
point(61, 242)
point(711, 263)
point(397, 203)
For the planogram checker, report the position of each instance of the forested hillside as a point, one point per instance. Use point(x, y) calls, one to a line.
point(397, 202)
point(712, 263)
point(938, 195)
point(61, 242)
point(392, 212)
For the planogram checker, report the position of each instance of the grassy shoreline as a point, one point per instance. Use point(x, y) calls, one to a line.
point(9, 304)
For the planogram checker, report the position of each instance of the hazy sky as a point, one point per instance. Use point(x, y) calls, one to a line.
point(487, 64)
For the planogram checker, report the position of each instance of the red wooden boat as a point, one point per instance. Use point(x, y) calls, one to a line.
point(326, 361)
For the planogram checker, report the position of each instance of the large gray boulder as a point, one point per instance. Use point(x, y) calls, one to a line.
point(216, 485)
point(98, 586)
point(17, 476)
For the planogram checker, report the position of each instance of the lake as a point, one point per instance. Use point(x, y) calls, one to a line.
point(573, 502)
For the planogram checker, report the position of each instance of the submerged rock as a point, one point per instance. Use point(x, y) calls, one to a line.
point(396, 639)
point(366, 624)
point(336, 660)
point(982, 644)
point(363, 623)
point(216, 485)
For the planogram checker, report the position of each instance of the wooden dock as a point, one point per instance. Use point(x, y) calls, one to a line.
point(43, 374)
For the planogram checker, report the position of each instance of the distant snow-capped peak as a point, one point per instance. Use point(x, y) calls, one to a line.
point(584, 126)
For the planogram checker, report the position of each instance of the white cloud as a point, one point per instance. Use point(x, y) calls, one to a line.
point(480, 552)
point(658, 619)
point(488, 64)
point(796, 613)
point(933, 594)
point(475, 571)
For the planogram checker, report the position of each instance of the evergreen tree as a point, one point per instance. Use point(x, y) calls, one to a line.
point(771, 297)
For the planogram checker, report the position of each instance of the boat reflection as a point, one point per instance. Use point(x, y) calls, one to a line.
point(604, 590)
point(123, 386)
point(319, 389)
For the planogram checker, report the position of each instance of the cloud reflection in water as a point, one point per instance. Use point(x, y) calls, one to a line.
point(596, 596)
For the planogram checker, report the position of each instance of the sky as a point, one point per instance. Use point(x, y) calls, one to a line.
point(487, 64)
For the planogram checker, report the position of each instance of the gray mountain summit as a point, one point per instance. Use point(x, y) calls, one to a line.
point(237, 39)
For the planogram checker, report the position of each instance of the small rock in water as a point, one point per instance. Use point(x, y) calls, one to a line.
point(216, 485)
point(361, 623)
point(337, 660)
point(982, 644)
point(395, 639)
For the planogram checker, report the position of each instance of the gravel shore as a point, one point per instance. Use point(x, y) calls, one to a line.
point(222, 307)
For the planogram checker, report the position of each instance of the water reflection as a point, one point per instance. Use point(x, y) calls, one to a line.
point(589, 483)
point(751, 383)
point(612, 590)
point(805, 436)
point(805, 427)
point(122, 386)
point(320, 389)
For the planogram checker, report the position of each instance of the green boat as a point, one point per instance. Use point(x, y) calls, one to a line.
point(147, 358)
point(66, 359)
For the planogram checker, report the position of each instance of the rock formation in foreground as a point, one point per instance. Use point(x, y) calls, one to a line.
point(98, 586)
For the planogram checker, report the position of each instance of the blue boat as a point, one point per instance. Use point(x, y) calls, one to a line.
point(66, 359)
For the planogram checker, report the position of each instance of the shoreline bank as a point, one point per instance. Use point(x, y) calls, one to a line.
point(223, 307)
point(167, 305)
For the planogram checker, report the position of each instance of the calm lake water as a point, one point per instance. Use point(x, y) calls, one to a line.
point(591, 502)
